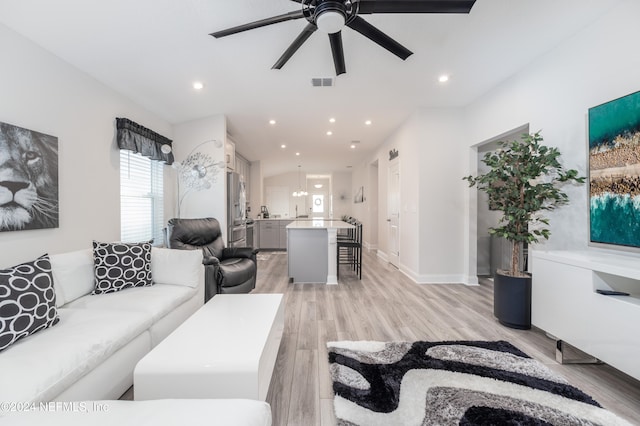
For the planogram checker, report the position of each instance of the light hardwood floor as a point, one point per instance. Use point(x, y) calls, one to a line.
point(387, 306)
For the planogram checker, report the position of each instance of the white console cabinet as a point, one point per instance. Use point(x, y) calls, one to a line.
point(565, 303)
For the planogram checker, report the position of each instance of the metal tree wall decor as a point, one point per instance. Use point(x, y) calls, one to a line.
point(199, 171)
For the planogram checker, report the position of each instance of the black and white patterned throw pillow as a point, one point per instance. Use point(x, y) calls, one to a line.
point(119, 266)
point(27, 300)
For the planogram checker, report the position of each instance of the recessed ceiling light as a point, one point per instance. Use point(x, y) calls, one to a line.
point(329, 133)
point(283, 146)
point(443, 78)
point(353, 146)
point(368, 122)
point(298, 154)
point(317, 185)
point(332, 120)
point(272, 122)
point(198, 85)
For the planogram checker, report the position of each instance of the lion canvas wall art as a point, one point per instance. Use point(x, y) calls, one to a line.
point(28, 179)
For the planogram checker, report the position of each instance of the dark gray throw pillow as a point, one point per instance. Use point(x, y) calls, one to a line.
point(27, 300)
point(119, 266)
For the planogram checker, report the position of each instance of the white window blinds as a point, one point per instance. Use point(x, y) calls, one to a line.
point(141, 199)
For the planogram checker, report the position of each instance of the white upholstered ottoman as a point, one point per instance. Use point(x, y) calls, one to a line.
point(227, 349)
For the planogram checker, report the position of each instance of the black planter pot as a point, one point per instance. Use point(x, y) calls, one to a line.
point(512, 301)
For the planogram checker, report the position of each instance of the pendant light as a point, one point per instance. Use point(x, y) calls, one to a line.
point(299, 192)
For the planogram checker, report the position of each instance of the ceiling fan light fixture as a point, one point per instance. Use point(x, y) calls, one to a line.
point(331, 21)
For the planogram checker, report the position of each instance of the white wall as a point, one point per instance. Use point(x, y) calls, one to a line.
point(340, 186)
point(43, 93)
point(407, 141)
point(430, 145)
point(282, 184)
point(206, 135)
point(342, 194)
point(438, 240)
point(370, 234)
point(359, 179)
point(441, 196)
point(554, 94)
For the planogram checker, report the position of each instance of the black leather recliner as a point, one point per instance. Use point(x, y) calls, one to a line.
point(227, 269)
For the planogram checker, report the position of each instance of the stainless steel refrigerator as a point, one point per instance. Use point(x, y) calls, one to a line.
point(236, 211)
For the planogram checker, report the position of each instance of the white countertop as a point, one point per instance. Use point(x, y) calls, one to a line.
point(320, 224)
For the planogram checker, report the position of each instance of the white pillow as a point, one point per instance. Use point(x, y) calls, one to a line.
point(177, 267)
point(73, 275)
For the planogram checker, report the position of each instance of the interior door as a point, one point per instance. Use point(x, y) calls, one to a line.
point(393, 219)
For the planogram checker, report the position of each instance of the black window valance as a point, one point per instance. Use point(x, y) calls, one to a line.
point(139, 139)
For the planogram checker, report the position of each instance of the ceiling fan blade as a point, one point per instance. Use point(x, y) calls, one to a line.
point(338, 52)
point(257, 24)
point(377, 36)
point(299, 41)
point(415, 6)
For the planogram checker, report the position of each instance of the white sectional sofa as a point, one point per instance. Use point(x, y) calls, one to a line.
point(90, 354)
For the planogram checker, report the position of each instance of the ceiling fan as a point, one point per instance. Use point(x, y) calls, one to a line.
point(331, 16)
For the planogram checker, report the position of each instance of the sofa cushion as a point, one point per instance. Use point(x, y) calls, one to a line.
point(119, 266)
point(156, 301)
point(72, 275)
point(177, 267)
point(27, 300)
point(39, 367)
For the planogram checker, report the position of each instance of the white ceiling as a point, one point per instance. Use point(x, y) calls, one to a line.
point(152, 50)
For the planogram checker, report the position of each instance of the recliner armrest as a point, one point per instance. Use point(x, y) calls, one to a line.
point(211, 276)
point(241, 252)
point(210, 260)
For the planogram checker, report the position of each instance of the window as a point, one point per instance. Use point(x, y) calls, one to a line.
point(141, 198)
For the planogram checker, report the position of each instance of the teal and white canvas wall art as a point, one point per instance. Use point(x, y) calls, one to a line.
point(614, 172)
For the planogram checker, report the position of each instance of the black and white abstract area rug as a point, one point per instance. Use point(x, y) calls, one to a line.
point(453, 383)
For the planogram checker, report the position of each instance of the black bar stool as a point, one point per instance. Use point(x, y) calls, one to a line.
point(349, 250)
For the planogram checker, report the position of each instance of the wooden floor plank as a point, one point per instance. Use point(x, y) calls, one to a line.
point(305, 399)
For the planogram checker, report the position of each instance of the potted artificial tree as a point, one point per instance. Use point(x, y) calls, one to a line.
point(523, 181)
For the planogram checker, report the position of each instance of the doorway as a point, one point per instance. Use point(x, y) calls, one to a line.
point(492, 252)
point(371, 232)
point(319, 187)
point(393, 218)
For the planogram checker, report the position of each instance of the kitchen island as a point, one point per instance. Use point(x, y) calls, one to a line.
point(312, 250)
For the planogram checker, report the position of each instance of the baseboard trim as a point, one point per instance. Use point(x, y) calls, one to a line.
point(471, 281)
point(432, 278)
point(382, 256)
point(370, 246)
point(440, 279)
